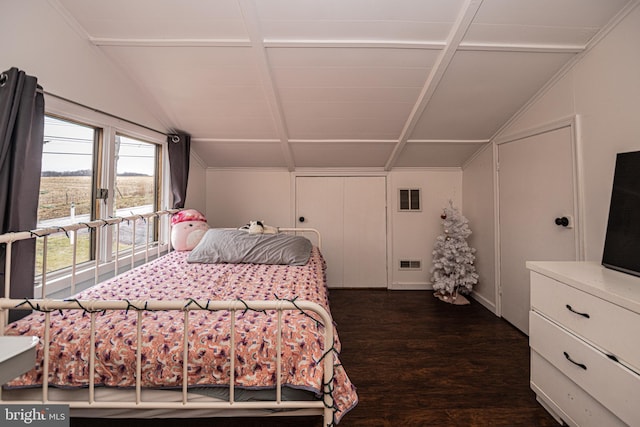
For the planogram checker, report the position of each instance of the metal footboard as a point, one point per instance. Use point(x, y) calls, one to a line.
point(323, 407)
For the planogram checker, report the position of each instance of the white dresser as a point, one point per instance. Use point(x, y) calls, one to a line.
point(17, 356)
point(584, 335)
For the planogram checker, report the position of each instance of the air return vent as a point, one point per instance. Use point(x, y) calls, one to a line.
point(409, 200)
point(406, 264)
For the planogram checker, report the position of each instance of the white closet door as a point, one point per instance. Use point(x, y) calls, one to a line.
point(319, 206)
point(536, 186)
point(365, 232)
point(350, 212)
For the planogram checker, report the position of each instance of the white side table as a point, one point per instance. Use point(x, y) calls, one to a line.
point(17, 356)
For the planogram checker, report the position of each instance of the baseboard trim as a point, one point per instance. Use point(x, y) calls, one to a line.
point(485, 302)
point(411, 286)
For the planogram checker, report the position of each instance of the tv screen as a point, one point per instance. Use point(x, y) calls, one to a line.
point(622, 242)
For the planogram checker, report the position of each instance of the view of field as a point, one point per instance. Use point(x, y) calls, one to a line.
point(58, 193)
point(57, 196)
point(60, 251)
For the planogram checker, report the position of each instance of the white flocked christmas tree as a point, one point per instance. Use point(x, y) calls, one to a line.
point(453, 272)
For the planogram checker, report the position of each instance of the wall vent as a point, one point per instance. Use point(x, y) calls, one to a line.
point(409, 200)
point(406, 264)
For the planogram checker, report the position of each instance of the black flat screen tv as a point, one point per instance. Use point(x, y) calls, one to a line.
point(622, 242)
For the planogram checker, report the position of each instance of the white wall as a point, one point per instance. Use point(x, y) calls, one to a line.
point(413, 234)
point(236, 196)
point(603, 89)
point(477, 191)
point(38, 40)
point(196, 186)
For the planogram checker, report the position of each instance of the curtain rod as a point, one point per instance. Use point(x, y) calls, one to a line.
point(95, 110)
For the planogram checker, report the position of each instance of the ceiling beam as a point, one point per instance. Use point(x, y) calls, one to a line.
point(459, 29)
point(102, 41)
point(356, 44)
point(359, 44)
point(447, 141)
point(516, 47)
point(252, 23)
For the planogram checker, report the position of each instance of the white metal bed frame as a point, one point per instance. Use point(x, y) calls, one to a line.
point(324, 406)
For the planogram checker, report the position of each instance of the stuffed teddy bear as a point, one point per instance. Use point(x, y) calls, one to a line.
point(259, 227)
point(187, 228)
point(256, 227)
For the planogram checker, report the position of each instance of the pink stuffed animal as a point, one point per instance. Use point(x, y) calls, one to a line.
point(187, 228)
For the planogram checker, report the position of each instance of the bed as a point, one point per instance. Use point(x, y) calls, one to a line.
point(257, 338)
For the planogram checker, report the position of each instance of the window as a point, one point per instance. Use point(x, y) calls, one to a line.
point(136, 184)
point(66, 188)
point(136, 163)
point(92, 171)
point(409, 200)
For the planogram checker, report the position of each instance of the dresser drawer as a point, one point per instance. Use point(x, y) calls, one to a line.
point(613, 385)
point(590, 317)
point(572, 404)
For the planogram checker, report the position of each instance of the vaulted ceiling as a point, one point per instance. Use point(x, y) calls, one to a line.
point(339, 83)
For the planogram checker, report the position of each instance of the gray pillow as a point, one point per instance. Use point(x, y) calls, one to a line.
point(239, 247)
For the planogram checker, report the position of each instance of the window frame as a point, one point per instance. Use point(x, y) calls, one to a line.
point(95, 165)
point(157, 184)
point(107, 127)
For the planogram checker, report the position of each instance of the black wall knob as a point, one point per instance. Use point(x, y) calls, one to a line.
point(301, 219)
point(564, 221)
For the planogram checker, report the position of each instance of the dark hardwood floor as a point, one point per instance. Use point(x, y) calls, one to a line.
point(416, 361)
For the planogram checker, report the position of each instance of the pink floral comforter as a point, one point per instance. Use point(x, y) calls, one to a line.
point(172, 278)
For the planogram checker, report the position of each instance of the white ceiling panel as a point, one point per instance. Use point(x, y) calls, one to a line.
point(343, 128)
point(329, 93)
point(436, 154)
point(339, 83)
point(159, 19)
point(340, 154)
point(549, 13)
point(359, 10)
point(407, 20)
point(388, 76)
point(480, 89)
point(225, 82)
point(240, 153)
point(345, 57)
point(546, 22)
point(352, 94)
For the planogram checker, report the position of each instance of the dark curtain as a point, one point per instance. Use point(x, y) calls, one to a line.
point(21, 142)
point(179, 147)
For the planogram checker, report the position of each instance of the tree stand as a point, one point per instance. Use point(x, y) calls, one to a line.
point(455, 298)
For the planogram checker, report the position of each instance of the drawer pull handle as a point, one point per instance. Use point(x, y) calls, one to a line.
point(582, 365)
point(577, 312)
